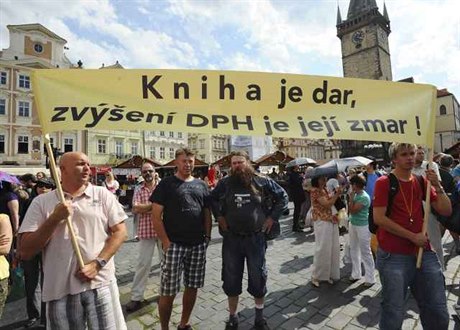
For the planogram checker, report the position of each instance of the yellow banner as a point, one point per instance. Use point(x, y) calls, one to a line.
point(235, 103)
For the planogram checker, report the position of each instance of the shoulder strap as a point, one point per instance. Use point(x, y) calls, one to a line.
point(421, 181)
point(392, 191)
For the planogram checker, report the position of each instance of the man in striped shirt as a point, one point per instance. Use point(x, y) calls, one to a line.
point(147, 236)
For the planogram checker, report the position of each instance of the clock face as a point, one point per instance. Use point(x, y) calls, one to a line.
point(357, 37)
point(38, 48)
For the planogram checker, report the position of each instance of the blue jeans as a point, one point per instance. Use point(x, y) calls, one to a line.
point(398, 273)
point(235, 250)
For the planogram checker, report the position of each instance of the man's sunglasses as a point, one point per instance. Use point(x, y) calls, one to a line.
point(42, 185)
point(147, 171)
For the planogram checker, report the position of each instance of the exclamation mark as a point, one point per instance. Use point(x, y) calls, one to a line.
point(417, 122)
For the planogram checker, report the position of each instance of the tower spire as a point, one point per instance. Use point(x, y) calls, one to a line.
point(358, 7)
point(339, 16)
point(385, 12)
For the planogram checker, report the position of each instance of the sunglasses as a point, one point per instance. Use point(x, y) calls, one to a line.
point(47, 186)
point(147, 171)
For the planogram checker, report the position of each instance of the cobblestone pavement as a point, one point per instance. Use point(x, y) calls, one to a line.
point(291, 301)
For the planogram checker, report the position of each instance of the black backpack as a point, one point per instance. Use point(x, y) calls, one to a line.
point(394, 188)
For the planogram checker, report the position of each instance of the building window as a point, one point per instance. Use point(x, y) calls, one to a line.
point(162, 153)
point(171, 153)
point(162, 133)
point(2, 106)
point(24, 81)
point(38, 48)
point(134, 148)
point(68, 145)
point(119, 148)
point(171, 134)
point(442, 110)
point(23, 144)
point(201, 143)
point(23, 109)
point(179, 135)
point(153, 153)
point(3, 77)
point(193, 145)
point(101, 146)
point(2, 144)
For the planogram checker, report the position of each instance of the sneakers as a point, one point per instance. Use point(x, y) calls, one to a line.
point(261, 325)
point(368, 284)
point(32, 322)
point(133, 306)
point(232, 323)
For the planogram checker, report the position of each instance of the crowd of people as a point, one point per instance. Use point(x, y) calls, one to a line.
point(381, 210)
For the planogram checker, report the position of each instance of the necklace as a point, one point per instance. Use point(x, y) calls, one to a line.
point(409, 210)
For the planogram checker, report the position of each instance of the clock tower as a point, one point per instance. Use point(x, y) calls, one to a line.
point(364, 37)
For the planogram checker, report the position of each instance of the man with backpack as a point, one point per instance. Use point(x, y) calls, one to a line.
point(247, 208)
point(400, 221)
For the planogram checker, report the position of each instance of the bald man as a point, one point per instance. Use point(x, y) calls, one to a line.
point(77, 298)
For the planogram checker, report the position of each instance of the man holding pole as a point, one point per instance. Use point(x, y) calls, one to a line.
point(399, 215)
point(77, 296)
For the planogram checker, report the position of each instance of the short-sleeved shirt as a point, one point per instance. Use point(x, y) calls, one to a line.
point(95, 211)
point(5, 198)
point(145, 227)
point(360, 218)
point(183, 214)
point(399, 213)
point(320, 212)
point(371, 178)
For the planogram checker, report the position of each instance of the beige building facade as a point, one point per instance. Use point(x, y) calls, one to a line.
point(32, 46)
point(209, 147)
point(447, 121)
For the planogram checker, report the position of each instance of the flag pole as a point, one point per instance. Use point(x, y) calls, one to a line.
point(60, 192)
point(427, 209)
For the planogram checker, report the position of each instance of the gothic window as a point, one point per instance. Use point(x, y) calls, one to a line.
point(442, 110)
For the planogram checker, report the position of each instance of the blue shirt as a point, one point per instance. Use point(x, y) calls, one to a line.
point(370, 183)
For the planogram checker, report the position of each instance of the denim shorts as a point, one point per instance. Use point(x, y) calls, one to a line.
point(236, 249)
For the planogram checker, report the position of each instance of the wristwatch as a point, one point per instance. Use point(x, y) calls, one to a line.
point(101, 262)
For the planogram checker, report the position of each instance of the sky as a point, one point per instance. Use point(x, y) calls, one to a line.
point(290, 36)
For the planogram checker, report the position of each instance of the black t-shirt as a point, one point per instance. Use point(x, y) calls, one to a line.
point(183, 213)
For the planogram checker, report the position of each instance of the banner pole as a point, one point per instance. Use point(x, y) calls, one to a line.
point(427, 209)
point(61, 196)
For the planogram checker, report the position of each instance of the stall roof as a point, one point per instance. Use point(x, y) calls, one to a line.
point(198, 163)
point(273, 159)
point(454, 150)
point(137, 161)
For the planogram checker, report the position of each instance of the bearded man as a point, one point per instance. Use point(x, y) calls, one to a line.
point(246, 206)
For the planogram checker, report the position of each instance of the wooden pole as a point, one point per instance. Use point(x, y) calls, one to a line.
point(427, 209)
point(60, 192)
